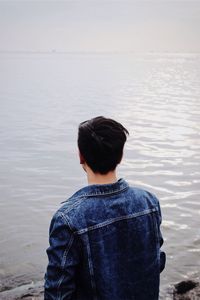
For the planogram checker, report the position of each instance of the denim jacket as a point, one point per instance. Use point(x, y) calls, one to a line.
point(105, 245)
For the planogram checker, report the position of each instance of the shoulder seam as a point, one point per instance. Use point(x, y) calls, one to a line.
point(65, 220)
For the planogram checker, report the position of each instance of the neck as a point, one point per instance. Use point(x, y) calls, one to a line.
point(97, 178)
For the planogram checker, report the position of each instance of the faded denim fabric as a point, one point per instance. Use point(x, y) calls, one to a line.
point(105, 245)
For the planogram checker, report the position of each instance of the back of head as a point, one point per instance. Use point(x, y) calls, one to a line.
point(101, 142)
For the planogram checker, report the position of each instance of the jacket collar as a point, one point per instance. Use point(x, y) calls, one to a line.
point(101, 189)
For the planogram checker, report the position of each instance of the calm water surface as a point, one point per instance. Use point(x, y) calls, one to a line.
point(43, 99)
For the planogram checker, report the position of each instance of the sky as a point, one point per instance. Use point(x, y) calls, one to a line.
point(100, 25)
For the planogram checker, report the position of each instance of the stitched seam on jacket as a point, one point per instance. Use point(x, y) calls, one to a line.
point(156, 231)
point(64, 258)
point(65, 219)
point(91, 269)
point(104, 194)
point(113, 220)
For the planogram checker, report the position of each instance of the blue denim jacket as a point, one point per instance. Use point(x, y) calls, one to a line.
point(105, 245)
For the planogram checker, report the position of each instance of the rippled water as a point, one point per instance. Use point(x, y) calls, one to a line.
point(43, 99)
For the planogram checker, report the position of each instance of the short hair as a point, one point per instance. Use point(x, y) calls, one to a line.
point(101, 141)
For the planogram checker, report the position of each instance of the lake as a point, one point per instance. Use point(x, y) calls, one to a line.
point(44, 96)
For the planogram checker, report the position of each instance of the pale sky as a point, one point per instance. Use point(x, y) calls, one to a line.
point(100, 25)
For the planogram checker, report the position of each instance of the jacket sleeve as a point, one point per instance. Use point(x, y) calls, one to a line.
point(162, 253)
point(63, 259)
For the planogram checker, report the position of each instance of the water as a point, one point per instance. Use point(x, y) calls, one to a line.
point(43, 99)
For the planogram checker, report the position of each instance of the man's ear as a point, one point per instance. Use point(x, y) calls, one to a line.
point(82, 160)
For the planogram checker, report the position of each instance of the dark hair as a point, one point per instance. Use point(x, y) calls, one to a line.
point(101, 142)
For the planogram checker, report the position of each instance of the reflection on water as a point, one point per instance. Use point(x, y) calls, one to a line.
point(43, 99)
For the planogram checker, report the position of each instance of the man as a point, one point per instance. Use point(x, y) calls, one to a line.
point(105, 240)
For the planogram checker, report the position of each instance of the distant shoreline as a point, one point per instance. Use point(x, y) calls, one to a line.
point(114, 52)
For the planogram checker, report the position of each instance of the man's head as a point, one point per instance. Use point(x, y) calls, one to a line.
point(101, 142)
